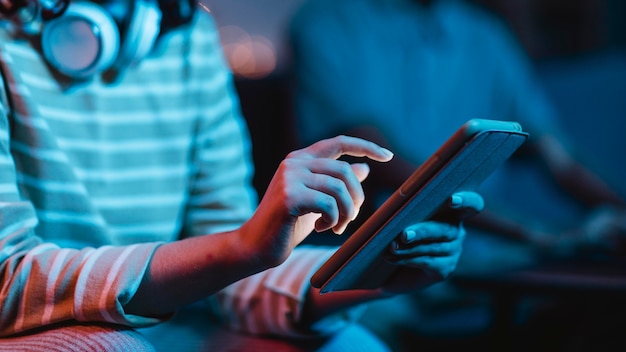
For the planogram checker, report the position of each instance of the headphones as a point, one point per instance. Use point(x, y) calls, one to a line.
point(83, 38)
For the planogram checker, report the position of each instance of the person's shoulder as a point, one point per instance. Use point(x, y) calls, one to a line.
point(332, 17)
point(202, 30)
point(203, 21)
point(478, 21)
point(327, 6)
point(324, 10)
point(197, 38)
point(469, 12)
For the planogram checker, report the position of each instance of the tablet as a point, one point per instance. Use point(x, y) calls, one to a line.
point(464, 161)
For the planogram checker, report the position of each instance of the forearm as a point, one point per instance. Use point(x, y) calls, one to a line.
point(185, 271)
point(588, 187)
point(45, 284)
point(576, 178)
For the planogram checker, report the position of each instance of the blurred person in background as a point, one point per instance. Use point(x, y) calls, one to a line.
point(406, 74)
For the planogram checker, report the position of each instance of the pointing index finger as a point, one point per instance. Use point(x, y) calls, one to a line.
point(345, 145)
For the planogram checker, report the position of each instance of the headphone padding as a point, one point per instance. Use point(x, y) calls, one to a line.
point(72, 56)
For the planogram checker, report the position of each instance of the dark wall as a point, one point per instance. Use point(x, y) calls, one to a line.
point(557, 28)
point(266, 105)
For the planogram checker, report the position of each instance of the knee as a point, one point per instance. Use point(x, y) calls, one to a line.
point(80, 338)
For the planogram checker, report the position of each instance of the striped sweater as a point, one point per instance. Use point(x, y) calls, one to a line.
point(94, 176)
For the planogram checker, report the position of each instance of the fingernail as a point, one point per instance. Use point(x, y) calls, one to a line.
point(387, 152)
point(409, 236)
point(340, 230)
point(456, 201)
point(356, 214)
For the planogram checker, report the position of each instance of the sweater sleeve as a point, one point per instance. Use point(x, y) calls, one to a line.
point(41, 283)
point(270, 303)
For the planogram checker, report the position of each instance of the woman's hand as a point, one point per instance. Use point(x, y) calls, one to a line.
point(428, 252)
point(311, 190)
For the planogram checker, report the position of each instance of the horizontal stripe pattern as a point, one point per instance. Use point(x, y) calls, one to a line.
point(79, 338)
point(93, 177)
point(280, 290)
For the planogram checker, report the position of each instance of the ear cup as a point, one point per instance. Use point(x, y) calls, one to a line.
point(81, 42)
point(86, 39)
point(140, 35)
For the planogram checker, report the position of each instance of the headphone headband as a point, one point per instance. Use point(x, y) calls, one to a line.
point(26, 11)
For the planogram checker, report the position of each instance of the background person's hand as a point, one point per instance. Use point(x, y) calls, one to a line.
point(428, 252)
point(602, 231)
point(311, 190)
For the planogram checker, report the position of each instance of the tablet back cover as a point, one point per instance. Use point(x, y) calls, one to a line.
point(361, 262)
